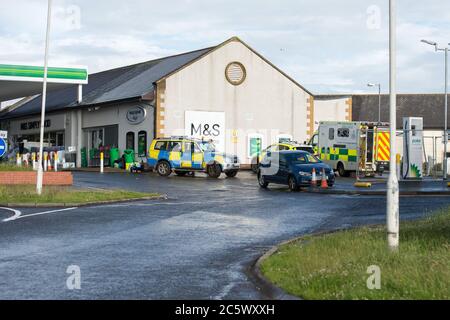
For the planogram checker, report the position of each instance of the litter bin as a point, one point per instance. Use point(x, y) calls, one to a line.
point(114, 156)
point(84, 161)
point(129, 155)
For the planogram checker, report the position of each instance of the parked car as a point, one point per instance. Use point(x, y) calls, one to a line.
point(292, 168)
point(282, 146)
point(183, 155)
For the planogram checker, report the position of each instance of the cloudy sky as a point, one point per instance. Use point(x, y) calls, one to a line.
point(329, 46)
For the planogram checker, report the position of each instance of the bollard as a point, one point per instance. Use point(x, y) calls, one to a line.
point(49, 162)
point(33, 158)
point(56, 161)
point(101, 162)
point(45, 161)
point(18, 160)
point(360, 184)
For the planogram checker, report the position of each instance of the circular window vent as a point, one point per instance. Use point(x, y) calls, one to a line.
point(235, 73)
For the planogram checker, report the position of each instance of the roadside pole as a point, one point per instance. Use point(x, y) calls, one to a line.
point(40, 174)
point(101, 162)
point(445, 115)
point(392, 214)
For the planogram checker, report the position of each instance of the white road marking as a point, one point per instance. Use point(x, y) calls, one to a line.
point(16, 215)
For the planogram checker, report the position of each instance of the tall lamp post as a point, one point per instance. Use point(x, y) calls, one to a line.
point(437, 48)
point(379, 98)
point(40, 173)
point(392, 210)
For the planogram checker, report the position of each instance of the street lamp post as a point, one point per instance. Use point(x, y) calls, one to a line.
point(379, 98)
point(445, 50)
point(392, 210)
point(40, 174)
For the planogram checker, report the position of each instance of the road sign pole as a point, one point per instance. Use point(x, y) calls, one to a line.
point(40, 173)
point(392, 214)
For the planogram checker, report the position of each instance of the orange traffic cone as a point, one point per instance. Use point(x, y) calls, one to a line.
point(314, 178)
point(324, 184)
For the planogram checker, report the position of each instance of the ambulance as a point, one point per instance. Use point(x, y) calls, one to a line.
point(354, 146)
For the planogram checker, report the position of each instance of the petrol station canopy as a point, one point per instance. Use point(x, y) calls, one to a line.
point(17, 81)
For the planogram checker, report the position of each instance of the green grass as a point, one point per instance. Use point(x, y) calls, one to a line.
point(13, 167)
point(334, 266)
point(27, 195)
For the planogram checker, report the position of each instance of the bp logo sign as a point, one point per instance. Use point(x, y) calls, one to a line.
point(136, 115)
point(2, 147)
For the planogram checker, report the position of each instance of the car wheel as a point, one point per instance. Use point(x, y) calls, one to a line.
point(231, 174)
point(341, 170)
point(292, 183)
point(181, 173)
point(163, 169)
point(214, 170)
point(262, 181)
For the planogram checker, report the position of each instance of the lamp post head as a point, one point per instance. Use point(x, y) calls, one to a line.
point(431, 43)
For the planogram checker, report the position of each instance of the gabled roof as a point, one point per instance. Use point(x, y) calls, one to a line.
point(120, 84)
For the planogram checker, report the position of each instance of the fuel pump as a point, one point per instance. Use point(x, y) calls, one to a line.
point(412, 148)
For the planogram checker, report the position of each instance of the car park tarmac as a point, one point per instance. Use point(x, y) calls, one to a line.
point(197, 244)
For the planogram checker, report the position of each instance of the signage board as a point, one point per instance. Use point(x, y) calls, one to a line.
point(3, 147)
point(254, 146)
point(4, 134)
point(34, 125)
point(206, 125)
point(136, 115)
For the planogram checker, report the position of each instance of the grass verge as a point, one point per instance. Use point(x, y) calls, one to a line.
point(334, 266)
point(15, 168)
point(27, 195)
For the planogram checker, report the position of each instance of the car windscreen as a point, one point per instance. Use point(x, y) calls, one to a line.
point(207, 146)
point(307, 149)
point(301, 158)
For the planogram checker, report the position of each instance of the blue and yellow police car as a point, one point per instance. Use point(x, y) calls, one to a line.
point(183, 155)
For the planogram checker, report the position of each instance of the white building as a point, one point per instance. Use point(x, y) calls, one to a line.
point(228, 93)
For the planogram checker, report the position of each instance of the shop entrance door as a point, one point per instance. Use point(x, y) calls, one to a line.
point(95, 141)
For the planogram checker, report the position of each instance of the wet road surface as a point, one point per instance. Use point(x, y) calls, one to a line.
point(195, 245)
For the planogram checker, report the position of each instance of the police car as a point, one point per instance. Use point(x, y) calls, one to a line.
point(183, 155)
point(282, 146)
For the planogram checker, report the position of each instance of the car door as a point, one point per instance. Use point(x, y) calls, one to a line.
point(186, 156)
point(265, 167)
point(283, 170)
point(197, 156)
point(175, 151)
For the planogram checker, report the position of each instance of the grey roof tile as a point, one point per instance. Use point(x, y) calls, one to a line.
point(127, 82)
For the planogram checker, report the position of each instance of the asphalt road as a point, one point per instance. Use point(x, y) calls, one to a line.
point(195, 245)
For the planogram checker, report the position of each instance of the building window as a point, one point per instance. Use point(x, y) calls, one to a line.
point(343, 132)
point(235, 73)
point(142, 143)
point(331, 133)
point(130, 140)
point(255, 145)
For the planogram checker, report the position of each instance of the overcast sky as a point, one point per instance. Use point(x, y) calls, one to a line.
point(328, 46)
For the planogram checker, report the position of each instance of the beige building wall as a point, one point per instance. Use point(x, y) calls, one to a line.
point(267, 102)
point(333, 109)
